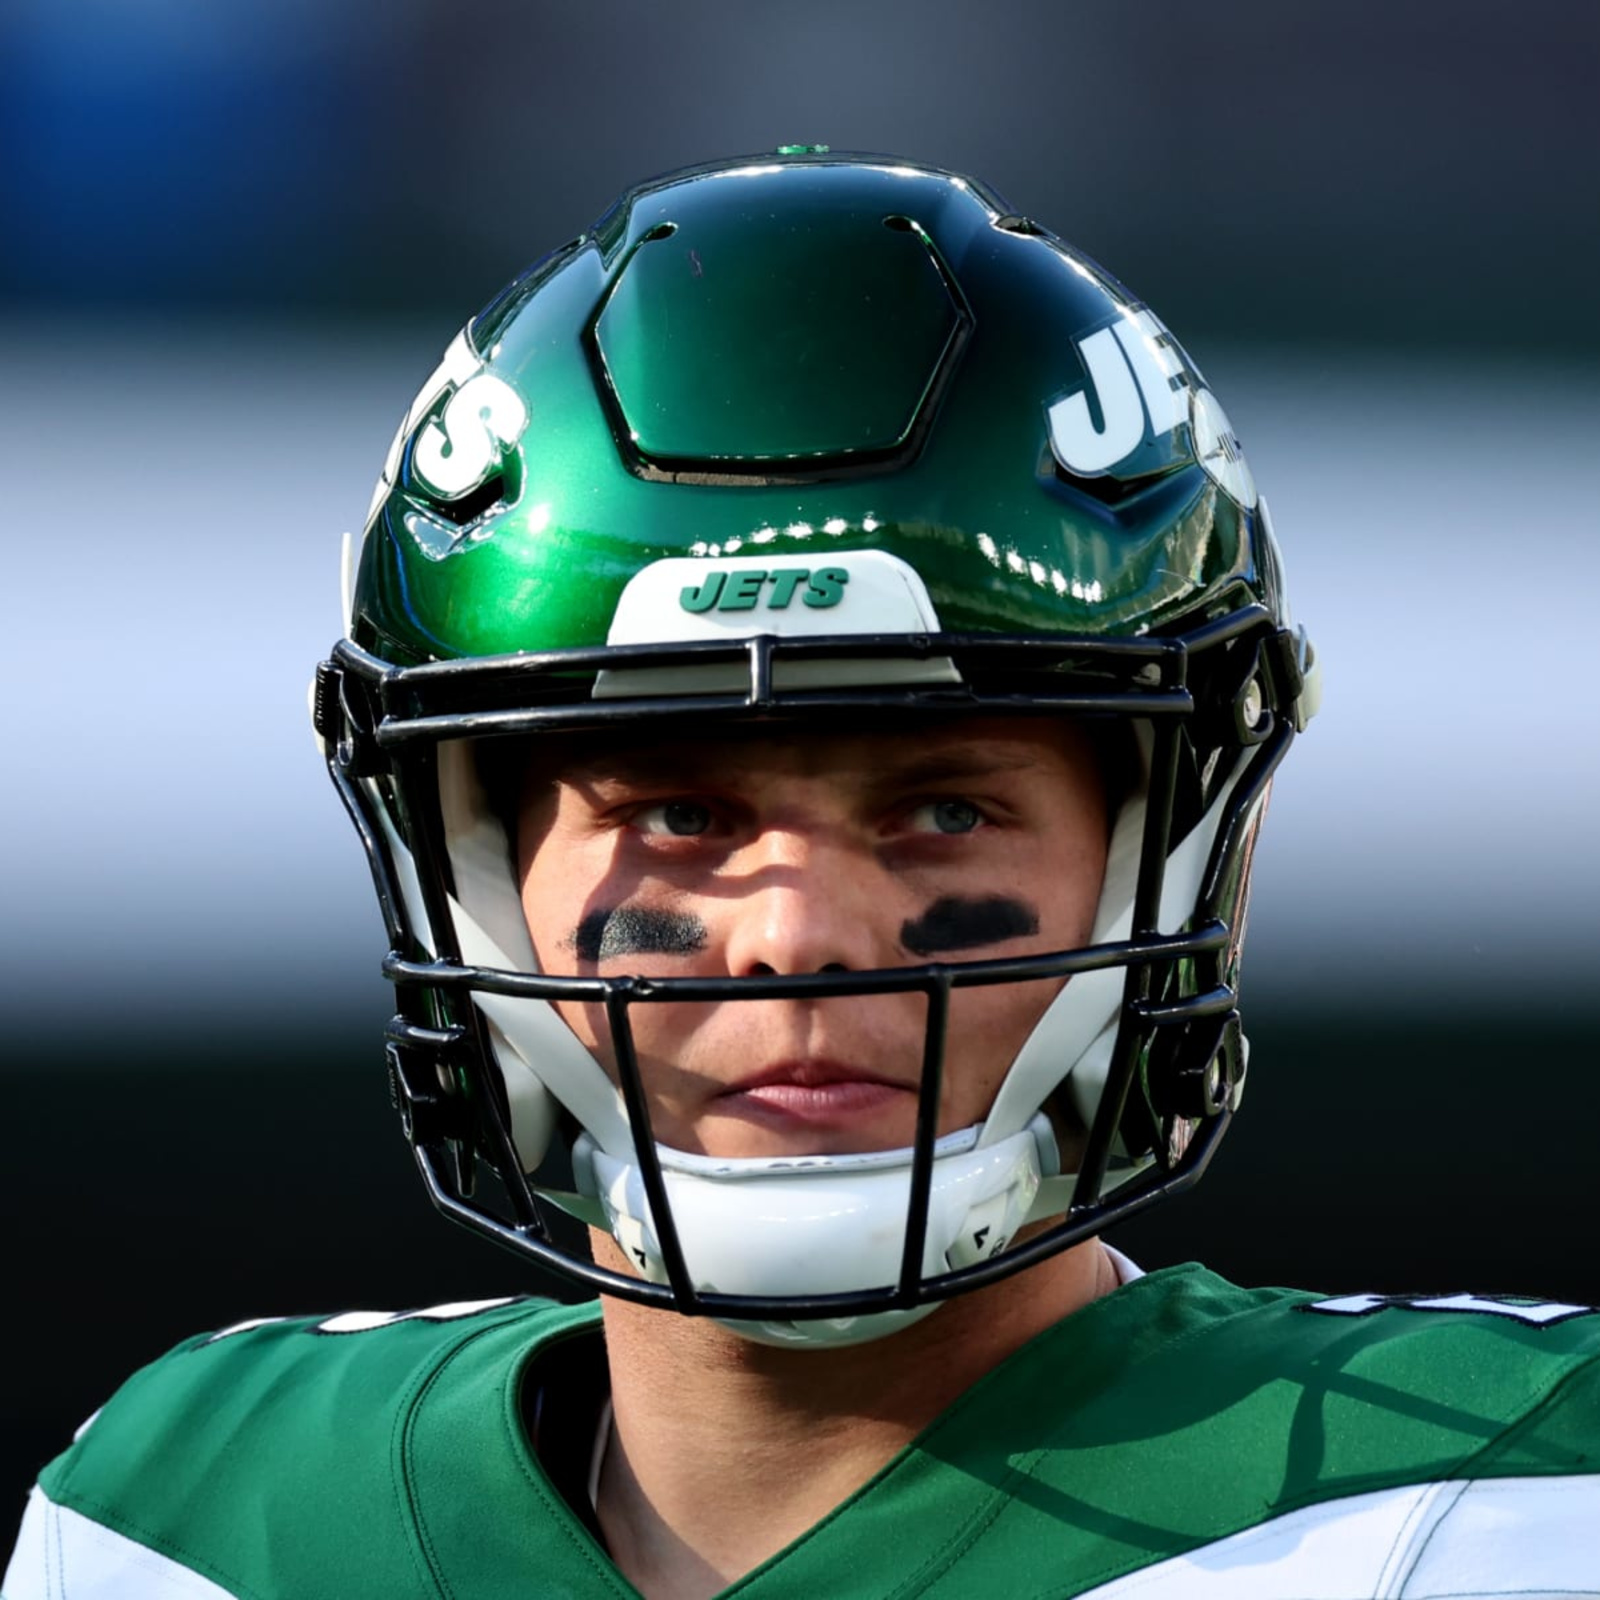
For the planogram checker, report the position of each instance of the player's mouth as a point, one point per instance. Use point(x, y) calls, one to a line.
point(814, 1091)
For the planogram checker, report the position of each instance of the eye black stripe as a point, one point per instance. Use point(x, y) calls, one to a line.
point(634, 930)
point(953, 923)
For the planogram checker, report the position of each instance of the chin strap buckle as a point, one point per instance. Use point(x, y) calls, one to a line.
point(1197, 1058)
point(342, 715)
point(1296, 676)
point(422, 1081)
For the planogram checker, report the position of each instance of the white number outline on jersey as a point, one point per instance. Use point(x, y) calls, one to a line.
point(366, 1321)
point(1535, 1313)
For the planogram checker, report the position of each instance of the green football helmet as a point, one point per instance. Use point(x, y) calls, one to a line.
point(781, 441)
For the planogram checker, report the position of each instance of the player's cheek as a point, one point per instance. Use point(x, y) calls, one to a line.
point(987, 1029)
point(587, 1023)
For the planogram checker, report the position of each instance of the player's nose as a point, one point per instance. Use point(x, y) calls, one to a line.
point(812, 903)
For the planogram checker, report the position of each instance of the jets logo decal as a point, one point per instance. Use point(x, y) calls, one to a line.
point(744, 589)
point(1143, 387)
point(479, 417)
point(1535, 1313)
point(457, 451)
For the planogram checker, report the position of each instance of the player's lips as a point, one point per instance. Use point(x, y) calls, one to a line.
point(814, 1090)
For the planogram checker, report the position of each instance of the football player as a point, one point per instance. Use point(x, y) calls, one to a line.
point(816, 663)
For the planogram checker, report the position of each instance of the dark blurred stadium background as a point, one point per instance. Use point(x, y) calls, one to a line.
point(236, 237)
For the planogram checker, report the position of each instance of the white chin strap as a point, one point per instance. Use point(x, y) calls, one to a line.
point(821, 1224)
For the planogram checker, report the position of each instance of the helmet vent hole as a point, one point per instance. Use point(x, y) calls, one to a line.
point(493, 491)
point(900, 224)
point(662, 230)
point(1107, 490)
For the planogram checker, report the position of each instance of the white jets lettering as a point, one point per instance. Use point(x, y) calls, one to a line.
point(457, 364)
point(1079, 445)
point(1145, 387)
point(455, 454)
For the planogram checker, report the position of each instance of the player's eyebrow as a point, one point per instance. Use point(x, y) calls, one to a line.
point(632, 768)
point(965, 762)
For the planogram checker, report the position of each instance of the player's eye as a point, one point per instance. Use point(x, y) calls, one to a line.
point(682, 819)
point(945, 816)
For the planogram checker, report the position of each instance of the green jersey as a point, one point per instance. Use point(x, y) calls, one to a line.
point(1181, 1437)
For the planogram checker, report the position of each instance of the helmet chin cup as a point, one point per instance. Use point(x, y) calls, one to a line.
point(821, 1224)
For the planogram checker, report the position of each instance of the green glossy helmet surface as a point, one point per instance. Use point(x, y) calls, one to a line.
point(779, 356)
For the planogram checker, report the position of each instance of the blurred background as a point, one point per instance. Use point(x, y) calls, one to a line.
point(236, 239)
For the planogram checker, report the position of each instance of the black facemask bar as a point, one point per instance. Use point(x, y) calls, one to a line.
point(1178, 1059)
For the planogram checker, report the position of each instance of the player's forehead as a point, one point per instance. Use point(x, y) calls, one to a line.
point(866, 754)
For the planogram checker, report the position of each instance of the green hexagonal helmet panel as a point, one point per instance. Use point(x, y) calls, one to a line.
point(739, 338)
point(745, 358)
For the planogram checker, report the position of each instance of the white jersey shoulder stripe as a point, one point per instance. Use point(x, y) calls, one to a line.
point(1533, 1538)
point(63, 1555)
